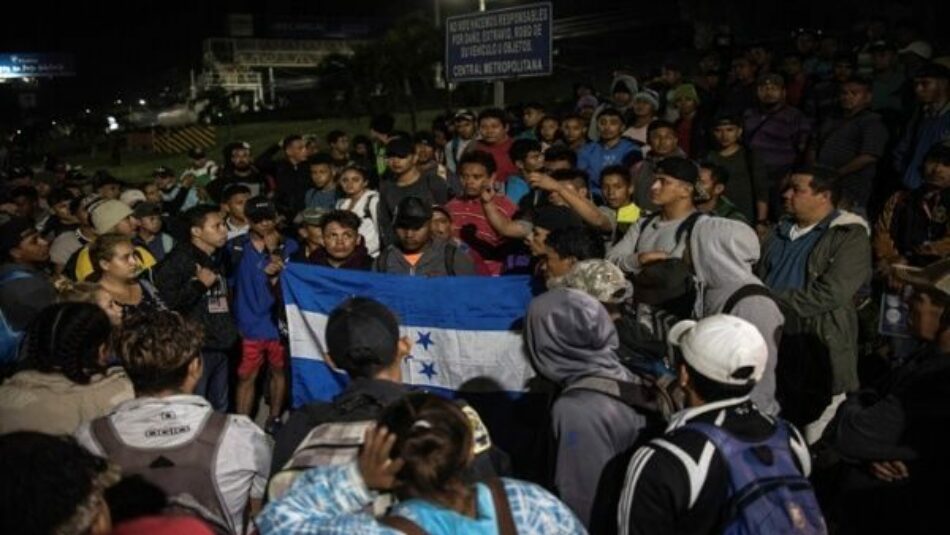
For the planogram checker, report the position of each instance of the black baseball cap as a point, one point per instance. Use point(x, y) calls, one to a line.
point(678, 168)
point(146, 209)
point(362, 333)
point(556, 218)
point(412, 213)
point(103, 178)
point(259, 209)
point(399, 148)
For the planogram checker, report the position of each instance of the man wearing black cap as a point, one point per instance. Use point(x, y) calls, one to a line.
point(407, 182)
point(24, 287)
point(929, 125)
point(657, 237)
point(363, 339)
point(149, 233)
point(416, 252)
point(777, 132)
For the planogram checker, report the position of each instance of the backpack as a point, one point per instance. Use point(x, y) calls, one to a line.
point(504, 520)
point(184, 472)
point(669, 280)
point(10, 337)
point(649, 394)
point(767, 492)
point(748, 290)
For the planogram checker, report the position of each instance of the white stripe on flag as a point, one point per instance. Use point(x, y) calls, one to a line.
point(445, 358)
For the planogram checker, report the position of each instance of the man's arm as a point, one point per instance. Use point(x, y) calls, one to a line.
point(624, 252)
point(498, 220)
point(581, 205)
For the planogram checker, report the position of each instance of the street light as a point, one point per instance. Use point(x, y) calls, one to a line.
point(141, 102)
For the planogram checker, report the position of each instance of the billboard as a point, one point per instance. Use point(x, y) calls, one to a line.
point(504, 43)
point(30, 65)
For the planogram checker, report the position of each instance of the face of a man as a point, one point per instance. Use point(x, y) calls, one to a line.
point(401, 165)
point(236, 205)
point(548, 129)
point(770, 94)
point(663, 141)
point(492, 130)
point(621, 99)
point(929, 90)
point(321, 175)
point(727, 135)
point(843, 71)
point(109, 191)
point(241, 159)
point(743, 70)
point(127, 226)
point(296, 151)
point(708, 185)
point(554, 265)
point(263, 227)
point(152, 193)
point(610, 127)
point(937, 174)
point(441, 225)
point(339, 241)
point(534, 161)
point(616, 191)
point(666, 189)
point(25, 206)
point(342, 145)
point(213, 232)
point(62, 211)
point(425, 153)
point(413, 240)
point(854, 97)
point(801, 201)
point(535, 240)
point(465, 128)
point(475, 179)
point(151, 223)
point(643, 108)
point(573, 130)
point(32, 249)
point(531, 117)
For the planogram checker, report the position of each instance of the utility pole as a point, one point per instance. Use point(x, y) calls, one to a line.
point(498, 86)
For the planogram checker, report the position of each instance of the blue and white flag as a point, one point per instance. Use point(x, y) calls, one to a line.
point(466, 331)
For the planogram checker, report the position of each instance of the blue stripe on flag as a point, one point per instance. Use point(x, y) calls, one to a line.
point(467, 303)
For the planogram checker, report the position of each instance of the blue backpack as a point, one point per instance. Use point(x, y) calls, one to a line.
point(9, 337)
point(767, 492)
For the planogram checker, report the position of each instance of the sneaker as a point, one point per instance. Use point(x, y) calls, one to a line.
point(273, 425)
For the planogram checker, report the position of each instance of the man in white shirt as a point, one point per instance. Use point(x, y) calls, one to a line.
point(217, 464)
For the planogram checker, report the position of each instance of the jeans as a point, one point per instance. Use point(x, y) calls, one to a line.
point(213, 384)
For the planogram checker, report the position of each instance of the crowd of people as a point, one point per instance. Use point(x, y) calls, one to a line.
point(740, 319)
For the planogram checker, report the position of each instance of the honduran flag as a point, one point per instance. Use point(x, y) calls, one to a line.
point(466, 331)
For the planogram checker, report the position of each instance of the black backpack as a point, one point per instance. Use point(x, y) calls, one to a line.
point(450, 250)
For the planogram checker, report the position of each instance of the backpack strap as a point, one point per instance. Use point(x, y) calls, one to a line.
point(652, 395)
point(644, 221)
point(401, 523)
point(450, 251)
point(748, 290)
point(503, 516)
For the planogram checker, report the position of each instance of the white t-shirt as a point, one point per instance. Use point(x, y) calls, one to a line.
point(243, 460)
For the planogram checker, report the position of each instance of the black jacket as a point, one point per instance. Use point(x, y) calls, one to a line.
point(656, 496)
point(291, 181)
point(182, 292)
point(363, 399)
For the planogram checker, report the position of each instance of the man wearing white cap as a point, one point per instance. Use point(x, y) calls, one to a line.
point(111, 216)
point(682, 482)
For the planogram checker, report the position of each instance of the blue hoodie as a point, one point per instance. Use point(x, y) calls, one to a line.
point(594, 157)
point(254, 299)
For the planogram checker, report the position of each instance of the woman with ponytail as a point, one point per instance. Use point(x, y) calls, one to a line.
point(66, 381)
point(116, 269)
point(420, 450)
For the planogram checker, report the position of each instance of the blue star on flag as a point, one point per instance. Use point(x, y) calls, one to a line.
point(425, 340)
point(428, 370)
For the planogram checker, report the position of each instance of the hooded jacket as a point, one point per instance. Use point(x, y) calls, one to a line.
point(838, 265)
point(593, 131)
point(723, 252)
point(570, 336)
point(435, 255)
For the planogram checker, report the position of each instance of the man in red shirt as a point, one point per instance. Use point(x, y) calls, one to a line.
point(477, 172)
point(494, 139)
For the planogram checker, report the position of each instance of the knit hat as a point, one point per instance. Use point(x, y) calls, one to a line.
point(362, 332)
point(649, 95)
point(107, 214)
point(722, 348)
point(685, 91)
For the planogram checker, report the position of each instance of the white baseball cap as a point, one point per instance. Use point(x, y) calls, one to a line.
point(132, 197)
point(719, 346)
point(921, 48)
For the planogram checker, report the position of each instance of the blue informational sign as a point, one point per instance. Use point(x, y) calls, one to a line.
point(30, 65)
point(499, 44)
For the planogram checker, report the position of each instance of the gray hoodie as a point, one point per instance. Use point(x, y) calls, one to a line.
point(723, 253)
point(593, 131)
point(570, 336)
